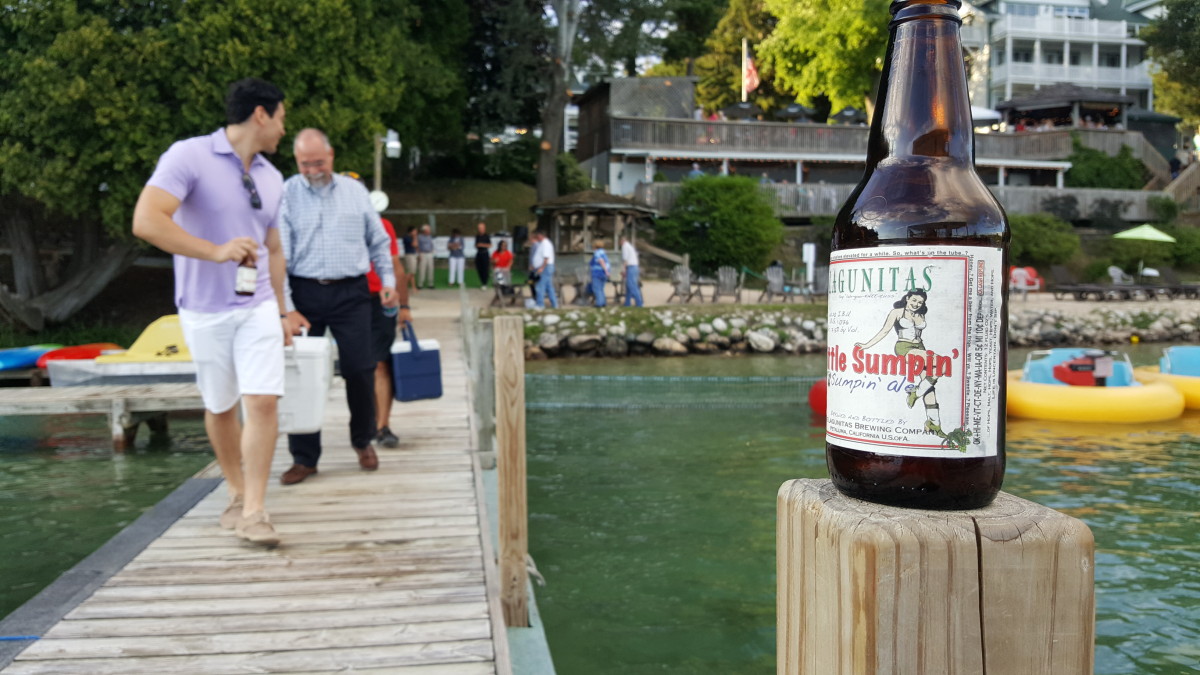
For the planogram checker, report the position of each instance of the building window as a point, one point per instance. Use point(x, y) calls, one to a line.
point(999, 54)
point(1074, 57)
point(1020, 10)
point(1053, 58)
point(1022, 57)
point(1072, 12)
point(1110, 60)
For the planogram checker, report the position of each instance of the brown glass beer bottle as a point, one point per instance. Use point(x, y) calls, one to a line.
point(918, 304)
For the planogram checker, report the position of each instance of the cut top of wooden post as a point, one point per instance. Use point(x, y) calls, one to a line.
point(870, 589)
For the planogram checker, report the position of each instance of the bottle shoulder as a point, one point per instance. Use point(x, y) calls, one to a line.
point(922, 198)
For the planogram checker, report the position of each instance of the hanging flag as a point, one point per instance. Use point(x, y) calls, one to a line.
point(752, 80)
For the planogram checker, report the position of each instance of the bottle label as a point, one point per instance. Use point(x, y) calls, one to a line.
point(914, 350)
point(247, 280)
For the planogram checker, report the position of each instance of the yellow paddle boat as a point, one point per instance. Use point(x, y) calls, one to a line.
point(1180, 368)
point(1087, 385)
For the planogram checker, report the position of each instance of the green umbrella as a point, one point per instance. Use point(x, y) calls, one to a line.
point(1146, 232)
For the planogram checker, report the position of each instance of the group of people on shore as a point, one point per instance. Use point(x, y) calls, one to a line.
point(259, 259)
point(419, 252)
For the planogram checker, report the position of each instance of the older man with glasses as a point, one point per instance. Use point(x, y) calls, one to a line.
point(213, 202)
point(331, 235)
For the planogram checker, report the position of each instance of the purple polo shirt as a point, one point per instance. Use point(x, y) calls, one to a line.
point(205, 174)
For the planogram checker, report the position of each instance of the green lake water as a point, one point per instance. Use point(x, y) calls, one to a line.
point(64, 492)
point(655, 526)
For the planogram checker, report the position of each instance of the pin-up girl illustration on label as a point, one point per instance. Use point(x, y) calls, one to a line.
point(907, 318)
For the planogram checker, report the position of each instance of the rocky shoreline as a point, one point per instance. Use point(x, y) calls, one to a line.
point(679, 331)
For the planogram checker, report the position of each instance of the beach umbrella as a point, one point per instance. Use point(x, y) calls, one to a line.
point(741, 110)
point(795, 111)
point(1146, 232)
point(849, 115)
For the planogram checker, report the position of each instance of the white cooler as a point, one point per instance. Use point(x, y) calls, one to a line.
point(307, 374)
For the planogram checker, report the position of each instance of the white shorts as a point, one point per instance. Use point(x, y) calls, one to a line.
point(236, 352)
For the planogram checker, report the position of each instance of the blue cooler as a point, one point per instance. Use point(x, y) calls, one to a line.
point(416, 367)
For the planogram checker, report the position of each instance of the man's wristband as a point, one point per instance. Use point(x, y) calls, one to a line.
point(283, 316)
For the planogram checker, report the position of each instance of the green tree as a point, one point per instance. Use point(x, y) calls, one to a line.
point(830, 47)
point(720, 68)
point(692, 22)
point(567, 14)
point(92, 93)
point(1174, 44)
point(613, 34)
point(1041, 239)
point(721, 220)
point(507, 64)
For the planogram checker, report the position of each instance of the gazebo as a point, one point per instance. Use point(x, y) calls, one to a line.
point(574, 220)
point(1068, 101)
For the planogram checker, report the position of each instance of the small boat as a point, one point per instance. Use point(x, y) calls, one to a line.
point(159, 355)
point(161, 341)
point(78, 352)
point(1087, 385)
point(1179, 367)
point(17, 358)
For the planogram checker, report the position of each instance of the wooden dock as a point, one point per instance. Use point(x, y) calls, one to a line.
point(390, 571)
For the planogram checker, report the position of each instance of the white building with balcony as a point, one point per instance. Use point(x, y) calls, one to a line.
point(1023, 45)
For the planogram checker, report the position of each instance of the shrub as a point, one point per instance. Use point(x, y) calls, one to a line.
point(1094, 169)
point(1165, 209)
point(569, 176)
point(1186, 249)
point(1041, 239)
point(1097, 270)
point(721, 220)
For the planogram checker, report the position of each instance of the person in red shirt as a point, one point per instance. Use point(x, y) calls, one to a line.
point(383, 334)
point(502, 259)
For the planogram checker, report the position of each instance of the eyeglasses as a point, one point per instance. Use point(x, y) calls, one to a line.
point(248, 183)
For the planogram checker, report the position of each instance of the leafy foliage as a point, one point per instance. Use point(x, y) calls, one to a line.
point(692, 21)
point(571, 177)
point(1174, 45)
point(721, 220)
point(720, 69)
point(1165, 209)
point(614, 33)
point(1091, 168)
point(1107, 213)
point(1041, 239)
point(508, 61)
point(831, 47)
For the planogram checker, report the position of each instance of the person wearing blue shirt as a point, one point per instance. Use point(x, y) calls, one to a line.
point(600, 271)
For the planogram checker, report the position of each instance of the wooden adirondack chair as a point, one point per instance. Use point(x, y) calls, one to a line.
point(729, 282)
point(681, 285)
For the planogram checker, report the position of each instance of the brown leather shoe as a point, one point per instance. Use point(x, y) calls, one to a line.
point(367, 458)
point(296, 474)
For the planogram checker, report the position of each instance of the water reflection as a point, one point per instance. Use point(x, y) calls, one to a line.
point(655, 528)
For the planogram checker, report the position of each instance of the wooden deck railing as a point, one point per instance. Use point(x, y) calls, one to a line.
point(806, 200)
point(1186, 184)
point(663, 136)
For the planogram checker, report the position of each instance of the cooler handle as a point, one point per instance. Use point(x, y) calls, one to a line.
point(409, 334)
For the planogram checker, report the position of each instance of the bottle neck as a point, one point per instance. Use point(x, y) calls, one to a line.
point(924, 109)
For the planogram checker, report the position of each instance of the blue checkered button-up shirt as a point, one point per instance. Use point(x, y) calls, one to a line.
point(332, 232)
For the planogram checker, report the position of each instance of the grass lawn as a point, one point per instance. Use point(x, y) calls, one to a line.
point(515, 199)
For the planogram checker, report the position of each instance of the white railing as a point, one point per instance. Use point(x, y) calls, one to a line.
point(1137, 76)
point(1058, 27)
point(807, 200)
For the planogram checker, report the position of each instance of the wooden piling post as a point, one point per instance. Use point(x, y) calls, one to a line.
point(865, 589)
point(509, 353)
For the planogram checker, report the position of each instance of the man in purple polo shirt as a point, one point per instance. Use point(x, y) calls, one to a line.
point(213, 202)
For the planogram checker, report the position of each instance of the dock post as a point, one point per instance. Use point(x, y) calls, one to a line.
point(865, 589)
point(509, 354)
point(124, 427)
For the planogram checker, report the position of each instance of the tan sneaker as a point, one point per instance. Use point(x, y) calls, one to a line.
point(256, 528)
point(232, 514)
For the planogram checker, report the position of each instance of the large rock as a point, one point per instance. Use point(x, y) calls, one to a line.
point(737, 322)
point(551, 319)
point(669, 347)
point(718, 340)
point(760, 342)
point(535, 354)
point(549, 343)
point(720, 325)
point(702, 347)
point(615, 345)
point(646, 338)
point(583, 343)
point(693, 333)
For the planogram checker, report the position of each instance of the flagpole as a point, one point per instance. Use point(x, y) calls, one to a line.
point(743, 70)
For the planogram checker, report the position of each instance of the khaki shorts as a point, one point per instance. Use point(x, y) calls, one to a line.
point(237, 352)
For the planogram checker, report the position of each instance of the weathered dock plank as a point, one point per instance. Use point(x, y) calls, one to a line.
point(381, 571)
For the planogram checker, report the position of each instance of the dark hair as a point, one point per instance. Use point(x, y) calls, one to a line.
point(916, 291)
point(455, 232)
point(246, 95)
point(503, 245)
